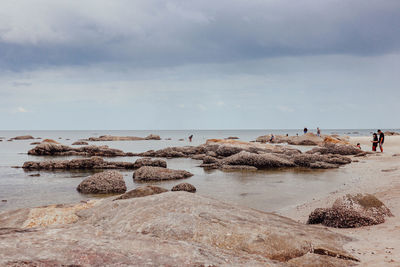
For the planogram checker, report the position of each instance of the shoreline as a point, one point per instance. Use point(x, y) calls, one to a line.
point(377, 174)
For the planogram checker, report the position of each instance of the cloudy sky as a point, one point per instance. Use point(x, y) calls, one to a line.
point(185, 64)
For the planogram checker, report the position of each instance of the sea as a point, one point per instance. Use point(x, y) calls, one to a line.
point(269, 190)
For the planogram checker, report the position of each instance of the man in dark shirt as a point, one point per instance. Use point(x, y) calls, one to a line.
point(381, 139)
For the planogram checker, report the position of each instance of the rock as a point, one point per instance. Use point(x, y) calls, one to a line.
point(35, 143)
point(238, 168)
point(150, 162)
point(174, 152)
point(148, 173)
point(308, 139)
point(341, 149)
point(184, 187)
point(108, 182)
point(168, 229)
point(152, 137)
point(104, 138)
point(80, 143)
point(351, 211)
point(50, 149)
point(35, 175)
point(316, 161)
point(77, 164)
point(4, 200)
point(181, 139)
point(209, 160)
point(389, 133)
point(142, 192)
point(232, 138)
point(50, 141)
point(23, 137)
point(227, 150)
point(260, 161)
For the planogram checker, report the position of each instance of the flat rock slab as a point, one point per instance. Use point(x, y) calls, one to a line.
point(109, 182)
point(54, 149)
point(142, 192)
point(148, 173)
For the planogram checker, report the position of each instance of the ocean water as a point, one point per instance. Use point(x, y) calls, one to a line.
point(263, 190)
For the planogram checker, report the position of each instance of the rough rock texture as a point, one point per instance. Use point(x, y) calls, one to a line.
point(260, 161)
point(50, 141)
point(351, 211)
point(50, 149)
point(108, 182)
point(150, 162)
point(23, 137)
point(308, 139)
point(148, 173)
point(170, 229)
point(80, 143)
point(388, 133)
point(35, 143)
point(122, 138)
point(142, 192)
point(184, 187)
point(77, 164)
point(341, 149)
point(232, 137)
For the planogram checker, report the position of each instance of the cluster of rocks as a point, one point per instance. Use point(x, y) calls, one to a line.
point(55, 149)
point(22, 137)
point(122, 138)
point(186, 230)
point(308, 139)
point(91, 163)
point(351, 211)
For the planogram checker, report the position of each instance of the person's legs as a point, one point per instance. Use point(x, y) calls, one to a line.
point(381, 147)
point(373, 148)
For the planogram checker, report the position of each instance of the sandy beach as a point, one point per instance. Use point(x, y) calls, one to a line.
point(377, 174)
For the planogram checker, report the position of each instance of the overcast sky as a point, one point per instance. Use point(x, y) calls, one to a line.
point(185, 64)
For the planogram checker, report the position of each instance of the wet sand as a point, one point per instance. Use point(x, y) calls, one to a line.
point(378, 174)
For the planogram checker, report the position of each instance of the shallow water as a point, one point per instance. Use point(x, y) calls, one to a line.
point(263, 190)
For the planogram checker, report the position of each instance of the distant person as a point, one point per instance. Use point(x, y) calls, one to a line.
point(272, 138)
point(318, 132)
point(374, 141)
point(305, 130)
point(190, 138)
point(297, 134)
point(381, 140)
point(287, 134)
point(359, 145)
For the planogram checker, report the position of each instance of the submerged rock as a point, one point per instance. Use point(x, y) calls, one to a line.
point(148, 173)
point(80, 143)
point(142, 192)
point(168, 229)
point(150, 162)
point(51, 149)
point(351, 211)
point(108, 182)
point(184, 187)
point(122, 138)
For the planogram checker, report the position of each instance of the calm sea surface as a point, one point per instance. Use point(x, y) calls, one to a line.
point(263, 190)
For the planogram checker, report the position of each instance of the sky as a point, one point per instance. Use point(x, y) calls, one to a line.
point(185, 64)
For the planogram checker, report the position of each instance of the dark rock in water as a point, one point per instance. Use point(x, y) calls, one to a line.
point(108, 182)
point(260, 161)
point(184, 187)
point(232, 138)
point(35, 175)
point(168, 229)
point(209, 160)
point(150, 162)
point(174, 152)
point(23, 137)
point(80, 143)
point(152, 137)
point(148, 173)
point(351, 211)
point(142, 192)
point(50, 149)
point(4, 200)
point(35, 143)
point(199, 156)
point(104, 138)
point(181, 139)
point(77, 164)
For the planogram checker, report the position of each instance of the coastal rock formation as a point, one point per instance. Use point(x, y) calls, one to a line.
point(122, 138)
point(50, 141)
point(389, 133)
point(351, 211)
point(34, 143)
point(338, 148)
point(148, 173)
point(184, 187)
point(232, 137)
point(150, 162)
point(50, 149)
point(77, 164)
point(169, 229)
point(260, 161)
point(23, 137)
point(308, 139)
point(80, 143)
point(108, 182)
point(142, 192)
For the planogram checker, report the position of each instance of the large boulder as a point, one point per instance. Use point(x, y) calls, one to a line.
point(77, 164)
point(150, 162)
point(168, 229)
point(260, 161)
point(109, 182)
point(184, 187)
point(148, 173)
point(351, 211)
point(142, 192)
point(336, 148)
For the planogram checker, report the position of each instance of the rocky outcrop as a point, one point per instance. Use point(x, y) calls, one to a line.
point(338, 148)
point(35, 143)
point(23, 137)
point(50, 141)
point(50, 149)
point(184, 187)
point(308, 139)
point(109, 182)
point(389, 133)
point(77, 164)
point(150, 162)
point(351, 211)
point(232, 138)
point(122, 138)
point(142, 192)
point(168, 229)
point(260, 161)
point(80, 143)
point(148, 173)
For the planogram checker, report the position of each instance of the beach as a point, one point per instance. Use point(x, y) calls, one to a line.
point(378, 174)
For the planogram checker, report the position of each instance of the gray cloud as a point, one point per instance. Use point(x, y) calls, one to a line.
point(154, 33)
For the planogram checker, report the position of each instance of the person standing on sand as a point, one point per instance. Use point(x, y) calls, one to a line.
point(190, 138)
point(381, 140)
point(318, 132)
point(374, 141)
point(305, 130)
